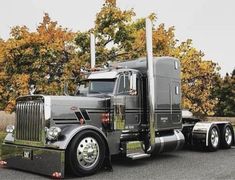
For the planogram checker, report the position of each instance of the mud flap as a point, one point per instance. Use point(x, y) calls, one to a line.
point(108, 164)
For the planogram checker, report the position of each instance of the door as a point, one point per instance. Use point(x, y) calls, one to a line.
point(129, 89)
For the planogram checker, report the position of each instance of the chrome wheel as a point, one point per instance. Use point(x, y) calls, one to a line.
point(88, 152)
point(228, 135)
point(214, 138)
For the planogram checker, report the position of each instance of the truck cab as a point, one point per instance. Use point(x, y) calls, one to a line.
point(124, 85)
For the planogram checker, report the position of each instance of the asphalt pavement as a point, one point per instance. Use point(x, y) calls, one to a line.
point(184, 164)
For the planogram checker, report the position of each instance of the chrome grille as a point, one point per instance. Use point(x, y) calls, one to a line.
point(29, 120)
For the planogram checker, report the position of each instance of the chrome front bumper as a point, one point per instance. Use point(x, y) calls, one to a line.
point(33, 159)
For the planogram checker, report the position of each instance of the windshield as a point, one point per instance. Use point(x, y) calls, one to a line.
point(105, 86)
point(101, 86)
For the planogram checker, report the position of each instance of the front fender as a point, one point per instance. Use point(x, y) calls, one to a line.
point(70, 131)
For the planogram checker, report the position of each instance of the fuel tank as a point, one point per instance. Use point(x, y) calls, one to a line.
point(168, 142)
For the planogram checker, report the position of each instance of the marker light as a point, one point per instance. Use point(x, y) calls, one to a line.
point(105, 118)
point(56, 175)
point(3, 163)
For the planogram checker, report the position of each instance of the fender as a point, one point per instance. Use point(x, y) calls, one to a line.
point(204, 128)
point(68, 132)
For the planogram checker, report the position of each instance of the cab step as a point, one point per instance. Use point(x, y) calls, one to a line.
point(135, 156)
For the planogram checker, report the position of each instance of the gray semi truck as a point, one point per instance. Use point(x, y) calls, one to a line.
point(132, 109)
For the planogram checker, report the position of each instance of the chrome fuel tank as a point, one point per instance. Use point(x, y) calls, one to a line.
point(168, 142)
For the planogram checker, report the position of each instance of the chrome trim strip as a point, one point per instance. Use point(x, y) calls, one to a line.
point(178, 140)
point(162, 144)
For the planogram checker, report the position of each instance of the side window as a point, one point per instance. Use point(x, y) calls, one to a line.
point(124, 85)
point(121, 84)
point(128, 84)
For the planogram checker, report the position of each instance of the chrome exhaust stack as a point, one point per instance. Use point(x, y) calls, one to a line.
point(92, 49)
point(151, 88)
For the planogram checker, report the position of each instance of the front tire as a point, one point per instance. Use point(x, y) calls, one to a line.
point(86, 153)
point(213, 138)
point(227, 136)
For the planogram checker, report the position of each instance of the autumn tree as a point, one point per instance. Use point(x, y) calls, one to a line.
point(41, 59)
point(197, 74)
point(52, 55)
point(119, 37)
point(224, 91)
point(2, 76)
point(198, 77)
point(113, 33)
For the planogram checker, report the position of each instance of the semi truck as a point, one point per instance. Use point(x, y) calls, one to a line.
point(131, 109)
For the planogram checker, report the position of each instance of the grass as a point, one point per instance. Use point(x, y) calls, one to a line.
point(5, 119)
point(2, 136)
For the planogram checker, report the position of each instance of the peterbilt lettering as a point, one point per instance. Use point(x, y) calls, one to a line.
point(130, 108)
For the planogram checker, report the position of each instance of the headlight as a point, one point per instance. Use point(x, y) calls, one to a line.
point(10, 128)
point(53, 133)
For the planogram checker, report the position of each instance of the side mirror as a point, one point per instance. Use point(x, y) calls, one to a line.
point(68, 88)
point(77, 91)
point(81, 89)
point(66, 93)
point(128, 84)
point(133, 82)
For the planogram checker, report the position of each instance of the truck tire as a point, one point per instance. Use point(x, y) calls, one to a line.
point(227, 136)
point(213, 138)
point(86, 153)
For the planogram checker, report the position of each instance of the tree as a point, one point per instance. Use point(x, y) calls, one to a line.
point(113, 33)
point(225, 93)
point(197, 79)
point(2, 75)
point(38, 59)
point(127, 37)
point(52, 55)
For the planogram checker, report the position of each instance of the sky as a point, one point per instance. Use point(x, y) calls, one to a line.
point(209, 23)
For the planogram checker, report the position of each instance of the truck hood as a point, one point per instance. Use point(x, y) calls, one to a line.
point(67, 106)
point(69, 109)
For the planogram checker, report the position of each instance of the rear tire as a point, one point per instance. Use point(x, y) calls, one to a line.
point(86, 153)
point(227, 136)
point(213, 139)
